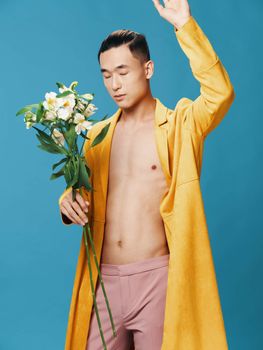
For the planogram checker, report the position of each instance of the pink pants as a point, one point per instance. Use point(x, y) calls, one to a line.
point(136, 294)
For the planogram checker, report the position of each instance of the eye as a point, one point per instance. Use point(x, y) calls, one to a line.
point(123, 73)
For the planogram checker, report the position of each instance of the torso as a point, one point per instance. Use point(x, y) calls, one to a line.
point(134, 228)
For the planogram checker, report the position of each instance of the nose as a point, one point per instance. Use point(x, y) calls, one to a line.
point(116, 83)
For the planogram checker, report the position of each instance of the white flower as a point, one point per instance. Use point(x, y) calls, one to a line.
point(78, 118)
point(73, 85)
point(29, 124)
point(80, 105)
point(51, 102)
point(88, 96)
point(86, 125)
point(58, 137)
point(64, 88)
point(90, 110)
point(67, 101)
point(64, 113)
point(30, 119)
point(50, 115)
point(30, 116)
point(82, 123)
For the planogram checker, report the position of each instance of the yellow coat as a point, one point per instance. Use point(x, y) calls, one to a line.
point(193, 315)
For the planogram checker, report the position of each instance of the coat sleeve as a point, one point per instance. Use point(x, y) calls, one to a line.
point(204, 113)
point(86, 194)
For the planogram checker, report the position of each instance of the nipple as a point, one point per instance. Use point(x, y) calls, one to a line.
point(153, 166)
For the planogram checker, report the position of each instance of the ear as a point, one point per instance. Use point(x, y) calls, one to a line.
point(149, 69)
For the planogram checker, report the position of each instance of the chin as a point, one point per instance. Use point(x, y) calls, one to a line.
point(122, 103)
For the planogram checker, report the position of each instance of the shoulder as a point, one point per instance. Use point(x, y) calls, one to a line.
point(175, 115)
point(182, 104)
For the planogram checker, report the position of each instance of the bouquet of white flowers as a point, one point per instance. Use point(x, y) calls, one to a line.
point(65, 117)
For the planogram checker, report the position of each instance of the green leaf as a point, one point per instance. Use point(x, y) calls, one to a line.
point(27, 108)
point(84, 136)
point(46, 139)
point(70, 136)
point(67, 174)
point(92, 120)
point(73, 85)
point(77, 169)
point(39, 112)
point(88, 169)
point(65, 93)
point(60, 162)
point(97, 120)
point(84, 176)
point(105, 117)
point(52, 148)
point(44, 135)
point(57, 174)
point(101, 135)
point(59, 85)
point(49, 148)
point(71, 171)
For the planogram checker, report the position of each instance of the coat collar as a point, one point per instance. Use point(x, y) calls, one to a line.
point(161, 138)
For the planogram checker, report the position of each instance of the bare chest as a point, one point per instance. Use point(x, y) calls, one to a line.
point(134, 155)
point(136, 186)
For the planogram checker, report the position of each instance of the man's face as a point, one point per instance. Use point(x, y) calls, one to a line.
point(125, 74)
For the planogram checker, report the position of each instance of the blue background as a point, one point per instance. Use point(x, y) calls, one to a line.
point(47, 41)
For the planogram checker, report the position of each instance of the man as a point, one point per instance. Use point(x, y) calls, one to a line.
point(147, 214)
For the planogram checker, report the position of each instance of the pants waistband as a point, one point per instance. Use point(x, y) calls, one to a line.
point(135, 267)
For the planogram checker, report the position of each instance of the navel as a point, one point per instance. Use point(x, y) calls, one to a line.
point(119, 243)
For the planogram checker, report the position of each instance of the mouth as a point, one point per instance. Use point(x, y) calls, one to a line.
point(119, 97)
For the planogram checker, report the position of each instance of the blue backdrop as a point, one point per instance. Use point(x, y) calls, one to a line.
point(47, 41)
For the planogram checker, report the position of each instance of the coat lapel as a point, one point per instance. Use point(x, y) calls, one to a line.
point(161, 139)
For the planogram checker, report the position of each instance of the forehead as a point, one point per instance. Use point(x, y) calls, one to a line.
point(117, 58)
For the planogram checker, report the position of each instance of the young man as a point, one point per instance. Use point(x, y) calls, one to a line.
point(146, 212)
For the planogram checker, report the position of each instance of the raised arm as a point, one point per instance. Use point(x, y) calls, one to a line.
point(204, 113)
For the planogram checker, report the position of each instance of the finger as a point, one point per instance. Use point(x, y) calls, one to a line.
point(158, 6)
point(80, 212)
point(65, 212)
point(72, 212)
point(82, 202)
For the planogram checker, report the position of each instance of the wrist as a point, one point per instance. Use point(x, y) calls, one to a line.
point(179, 24)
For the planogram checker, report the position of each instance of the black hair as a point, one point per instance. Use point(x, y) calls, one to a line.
point(136, 42)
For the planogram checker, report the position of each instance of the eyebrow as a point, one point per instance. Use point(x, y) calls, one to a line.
point(118, 67)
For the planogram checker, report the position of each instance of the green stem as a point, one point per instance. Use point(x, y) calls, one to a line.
point(80, 152)
point(101, 281)
point(93, 292)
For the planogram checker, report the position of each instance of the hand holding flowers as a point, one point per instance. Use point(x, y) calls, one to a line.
point(66, 117)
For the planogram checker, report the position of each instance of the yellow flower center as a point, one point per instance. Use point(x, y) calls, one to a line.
point(51, 100)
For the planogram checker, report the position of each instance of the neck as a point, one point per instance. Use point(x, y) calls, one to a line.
point(142, 111)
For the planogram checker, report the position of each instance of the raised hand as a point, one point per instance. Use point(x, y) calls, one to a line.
point(177, 12)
